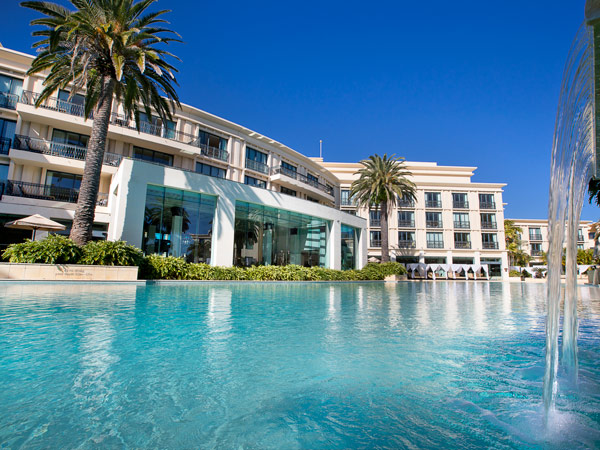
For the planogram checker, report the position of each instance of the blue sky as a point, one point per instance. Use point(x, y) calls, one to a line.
point(461, 83)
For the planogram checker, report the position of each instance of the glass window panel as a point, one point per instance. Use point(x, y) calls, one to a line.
point(349, 247)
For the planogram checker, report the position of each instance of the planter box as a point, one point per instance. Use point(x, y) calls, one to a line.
point(395, 278)
point(66, 272)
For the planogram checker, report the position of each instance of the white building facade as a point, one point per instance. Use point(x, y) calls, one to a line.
point(452, 221)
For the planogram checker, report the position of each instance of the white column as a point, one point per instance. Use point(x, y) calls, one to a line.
point(505, 267)
point(223, 233)
point(334, 246)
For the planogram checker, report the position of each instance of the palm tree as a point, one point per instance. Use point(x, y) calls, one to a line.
point(382, 182)
point(110, 49)
point(594, 190)
point(512, 235)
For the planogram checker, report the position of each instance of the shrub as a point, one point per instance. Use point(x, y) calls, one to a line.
point(378, 271)
point(55, 249)
point(111, 253)
point(514, 273)
point(156, 267)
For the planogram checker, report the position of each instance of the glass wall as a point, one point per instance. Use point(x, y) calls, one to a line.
point(271, 236)
point(178, 223)
point(349, 247)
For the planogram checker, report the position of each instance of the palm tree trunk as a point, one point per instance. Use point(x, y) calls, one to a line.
point(81, 231)
point(385, 250)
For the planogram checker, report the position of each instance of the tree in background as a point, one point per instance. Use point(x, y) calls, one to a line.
point(382, 182)
point(109, 49)
point(512, 235)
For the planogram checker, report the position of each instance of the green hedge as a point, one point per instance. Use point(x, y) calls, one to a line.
point(157, 267)
point(56, 249)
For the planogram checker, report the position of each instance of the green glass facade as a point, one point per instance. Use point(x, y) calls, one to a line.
point(349, 247)
point(272, 236)
point(178, 223)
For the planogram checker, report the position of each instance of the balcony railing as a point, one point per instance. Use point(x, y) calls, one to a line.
point(433, 204)
point(580, 238)
point(489, 225)
point(303, 179)
point(490, 245)
point(407, 244)
point(257, 166)
point(487, 205)
point(406, 223)
point(51, 148)
point(8, 101)
point(460, 205)
point(347, 202)
point(535, 237)
point(74, 109)
point(459, 224)
point(435, 244)
point(375, 243)
point(5, 144)
point(433, 224)
point(47, 192)
point(462, 244)
point(404, 203)
point(375, 222)
point(536, 253)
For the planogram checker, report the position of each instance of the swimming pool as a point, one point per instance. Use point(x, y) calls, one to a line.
point(287, 365)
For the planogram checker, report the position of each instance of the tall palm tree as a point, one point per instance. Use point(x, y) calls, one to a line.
point(382, 182)
point(110, 49)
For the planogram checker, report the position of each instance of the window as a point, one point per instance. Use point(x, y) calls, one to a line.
point(406, 239)
point(349, 241)
point(288, 169)
point(433, 220)
point(63, 180)
point(212, 140)
point(487, 201)
point(345, 198)
point(580, 247)
point(251, 181)
point(535, 234)
point(591, 235)
point(435, 240)
point(211, 171)
point(73, 105)
point(406, 219)
point(489, 240)
point(312, 180)
point(375, 218)
point(536, 249)
point(7, 134)
point(69, 138)
point(461, 220)
point(287, 191)
point(405, 202)
point(460, 200)
point(462, 240)
point(433, 200)
point(156, 126)
point(375, 239)
point(10, 91)
point(3, 172)
point(256, 160)
point(152, 156)
point(580, 237)
point(311, 199)
point(488, 221)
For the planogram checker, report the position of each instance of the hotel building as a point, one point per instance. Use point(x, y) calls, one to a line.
point(452, 221)
point(534, 237)
point(213, 191)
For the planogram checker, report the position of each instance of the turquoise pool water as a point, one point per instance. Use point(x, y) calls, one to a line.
point(288, 366)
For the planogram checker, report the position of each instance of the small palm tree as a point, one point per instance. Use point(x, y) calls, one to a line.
point(382, 181)
point(110, 49)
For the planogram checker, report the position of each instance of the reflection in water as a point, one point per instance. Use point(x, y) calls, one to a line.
point(218, 317)
point(451, 321)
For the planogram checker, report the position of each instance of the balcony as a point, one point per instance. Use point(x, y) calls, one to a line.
point(375, 243)
point(347, 202)
point(535, 237)
point(303, 179)
point(433, 204)
point(435, 244)
point(257, 166)
point(405, 203)
point(433, 224)
point(460, 205)
point(50, 148)
point(406, 223)
point(487, 205)
point(490, 245)
point(5, 144)
point(580, 238)
point(489, 225)
point(375, 222)
point(407, 244)
point(462, 244)
point(47, 192)
point(463, 225)
point(119, 120)
point(8, 101)
point(536, 253)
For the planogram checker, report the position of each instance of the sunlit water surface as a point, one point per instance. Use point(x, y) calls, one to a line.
point(286, 366)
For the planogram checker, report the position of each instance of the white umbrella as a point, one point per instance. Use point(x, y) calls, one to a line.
point(35, 222)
